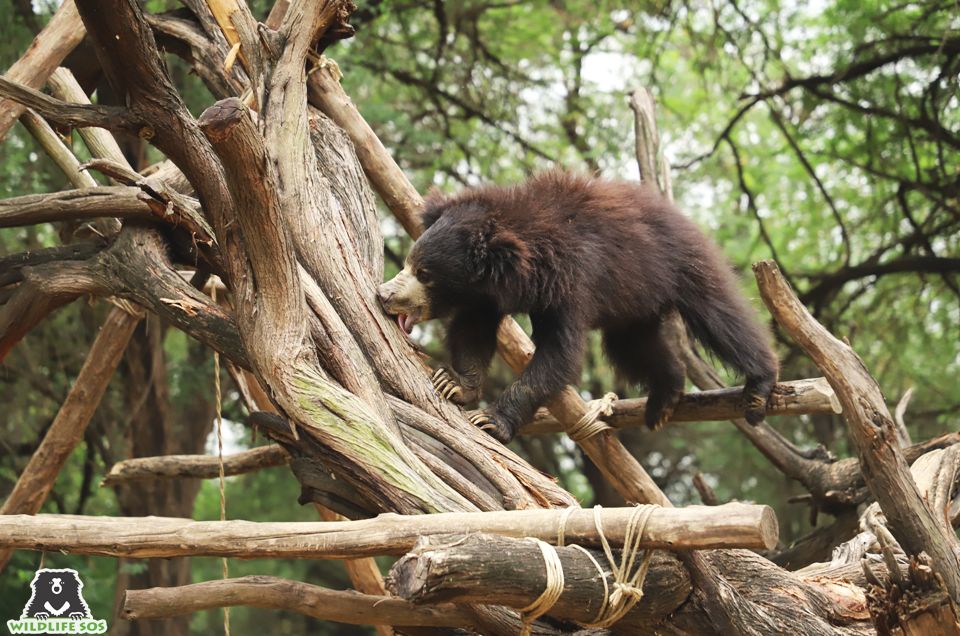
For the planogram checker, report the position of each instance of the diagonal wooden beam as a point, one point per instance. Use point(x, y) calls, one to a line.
point(37, 479)
point(61, 35)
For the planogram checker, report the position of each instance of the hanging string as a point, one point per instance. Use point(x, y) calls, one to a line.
point(218, 397)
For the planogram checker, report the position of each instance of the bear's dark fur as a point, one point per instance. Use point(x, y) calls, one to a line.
point(56, 594)
point(575, 254)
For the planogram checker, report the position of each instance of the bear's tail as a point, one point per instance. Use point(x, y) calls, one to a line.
point(722, 320)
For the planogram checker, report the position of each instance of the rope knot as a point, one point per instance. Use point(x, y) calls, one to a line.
point(590, 423)
point(628, 575)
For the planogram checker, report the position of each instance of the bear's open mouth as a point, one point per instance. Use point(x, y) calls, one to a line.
point(406, 322)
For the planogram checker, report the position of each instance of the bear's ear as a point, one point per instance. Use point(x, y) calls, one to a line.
point(434, 205)
point(497, 252)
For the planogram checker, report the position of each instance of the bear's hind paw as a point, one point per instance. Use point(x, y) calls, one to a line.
point(660, 407)
point(755, 409)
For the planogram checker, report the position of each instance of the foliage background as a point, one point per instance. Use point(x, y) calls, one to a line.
point(824, 134)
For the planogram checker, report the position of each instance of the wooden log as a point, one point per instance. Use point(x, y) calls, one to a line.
point(275, 593)
point(799, 397)
point(61, 35)
point(912, 603)
point(194, 466)
point(691, 528)
point(498, 570)
point(70, 205)
point(872, 429)
point(37, 479)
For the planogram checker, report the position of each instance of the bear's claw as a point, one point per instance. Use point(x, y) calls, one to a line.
point(78, 616)
point(660, 407)
point(755, 408)
point(446, 385)
point(481, 420)
point(491, 425)
point(662, 418)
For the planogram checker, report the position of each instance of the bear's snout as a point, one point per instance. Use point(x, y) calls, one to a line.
point(405, 297)
point(385, 294)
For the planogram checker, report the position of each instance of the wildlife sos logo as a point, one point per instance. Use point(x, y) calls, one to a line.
point(56, 606)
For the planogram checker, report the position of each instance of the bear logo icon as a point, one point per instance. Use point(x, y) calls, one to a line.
point(56, 594)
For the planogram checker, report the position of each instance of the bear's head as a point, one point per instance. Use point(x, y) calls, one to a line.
point(465, 256)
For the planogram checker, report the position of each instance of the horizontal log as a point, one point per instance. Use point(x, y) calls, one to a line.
point(70, 205)
point(691, 528)
point(276, 593)
point(195, 466)
point(798, 397)
point(502, 571)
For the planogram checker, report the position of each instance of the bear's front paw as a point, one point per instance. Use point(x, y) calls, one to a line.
point(41, 616)
point(77, 616)
point(449, 386)
point(492, 425)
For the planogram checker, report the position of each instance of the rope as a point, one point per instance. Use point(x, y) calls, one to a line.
point(551, 591)
point(591, 424)
point(628, 575)
point(627, 579)
point(127, 306)
point(218, 396)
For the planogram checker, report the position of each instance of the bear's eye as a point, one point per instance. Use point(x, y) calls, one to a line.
point(424, 276)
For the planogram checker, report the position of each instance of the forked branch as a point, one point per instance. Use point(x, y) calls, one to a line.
point(873, 431)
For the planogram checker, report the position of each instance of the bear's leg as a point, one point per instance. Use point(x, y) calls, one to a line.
point(472, 341)
point(722, 320)
point(641, 354)
point(556, 362)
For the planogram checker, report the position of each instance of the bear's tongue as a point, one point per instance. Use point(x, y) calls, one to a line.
point(406, 322)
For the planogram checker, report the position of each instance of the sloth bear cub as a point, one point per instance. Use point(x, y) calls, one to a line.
point(575, 253)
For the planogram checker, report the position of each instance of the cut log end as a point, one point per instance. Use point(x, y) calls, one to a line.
point(217, 120)
point(769, 528)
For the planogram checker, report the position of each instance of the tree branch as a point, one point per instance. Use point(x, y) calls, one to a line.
point(860, 68)
point(275, 593)
point(873, 431)
point(12, 266)
point(71, 205)
point(66, 114)
point(799, 397)
point(61, 35)
point(44, 289)
point(194, 466)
